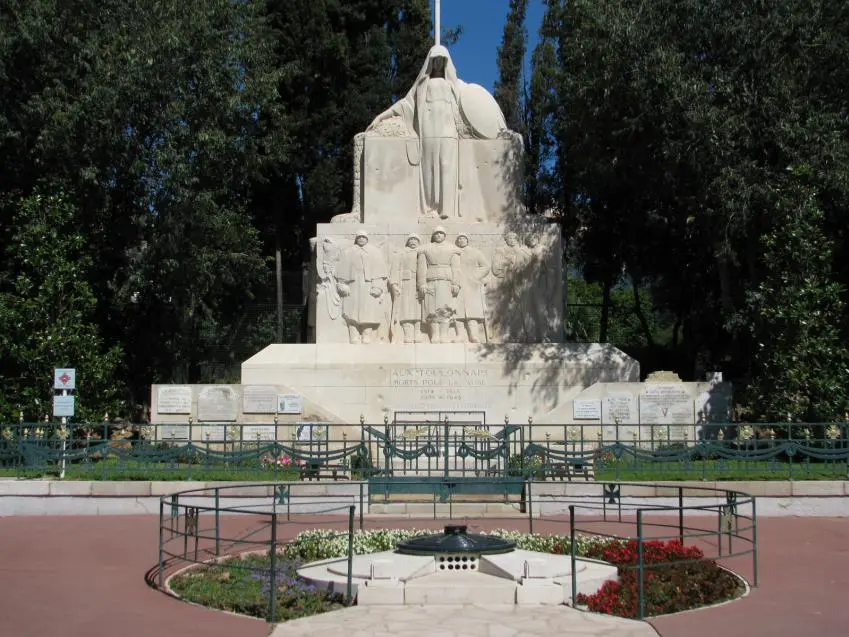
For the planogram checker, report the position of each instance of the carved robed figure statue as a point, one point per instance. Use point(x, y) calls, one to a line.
point(433, 111)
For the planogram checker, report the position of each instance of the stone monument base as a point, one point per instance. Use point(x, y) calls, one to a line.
point(483, 381)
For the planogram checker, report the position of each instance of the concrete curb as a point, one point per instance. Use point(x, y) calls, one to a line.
point(54, 497)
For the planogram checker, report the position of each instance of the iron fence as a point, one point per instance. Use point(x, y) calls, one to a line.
point(200, 526)
point(437, 450)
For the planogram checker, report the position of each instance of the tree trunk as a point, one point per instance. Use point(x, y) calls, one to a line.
point(605, 308)
point(638, 310)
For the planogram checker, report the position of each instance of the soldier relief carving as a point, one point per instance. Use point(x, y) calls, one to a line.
point(436, 290)
point(361, 282)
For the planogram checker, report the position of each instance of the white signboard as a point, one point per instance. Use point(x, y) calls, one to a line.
point(65, 378)
point(586, 409)
point(290, 404)
point(259, 399)
point(666, 404)
point(174, 399)
point(619, 408)
point(63, 406)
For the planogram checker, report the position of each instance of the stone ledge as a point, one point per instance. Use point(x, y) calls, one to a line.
point(24, 487)
point(543, 491)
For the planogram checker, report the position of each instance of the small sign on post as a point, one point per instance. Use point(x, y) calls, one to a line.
point(63, 406)
point(64, 381)
point(65, 378)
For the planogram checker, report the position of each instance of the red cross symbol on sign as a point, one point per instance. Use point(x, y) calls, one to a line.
point(65, 378)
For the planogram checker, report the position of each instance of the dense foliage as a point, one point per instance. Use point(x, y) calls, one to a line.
point(175, 148)
point(699, 158)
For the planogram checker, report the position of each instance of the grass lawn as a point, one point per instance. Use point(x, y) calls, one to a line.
point(718, 470)
point(112, 470)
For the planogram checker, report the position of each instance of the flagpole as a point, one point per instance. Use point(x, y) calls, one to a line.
point(437, 21)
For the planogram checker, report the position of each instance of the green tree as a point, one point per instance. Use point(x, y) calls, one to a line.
point(509, 87)
point(47, 312)
point(794, 315)
point(541, 101)
point(157, 116)
point(345, 61)
point(675, 124)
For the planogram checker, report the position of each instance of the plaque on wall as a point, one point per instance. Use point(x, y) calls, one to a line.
point(259, 399)
point(174, 399)
point(290, 404)
point(256, 433)
point(212, 433)
point(173, 432)
point(586, 409)
point(219, 403)
point(619, 408)
point(666, 404)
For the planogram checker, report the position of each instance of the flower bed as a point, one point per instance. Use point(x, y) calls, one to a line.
point(675, 577)
point(243, 585)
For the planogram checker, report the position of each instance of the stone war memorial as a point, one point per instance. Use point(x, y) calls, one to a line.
point(436, 295)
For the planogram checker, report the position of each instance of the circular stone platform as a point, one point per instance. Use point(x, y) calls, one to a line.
point(452, 572)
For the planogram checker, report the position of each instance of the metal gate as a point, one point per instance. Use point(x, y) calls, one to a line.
point(440, 444)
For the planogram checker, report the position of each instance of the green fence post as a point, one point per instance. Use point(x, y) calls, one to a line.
point(349, 592)
point(161, 547)
point(530, 506)
point(573, 549)
point(272, 598)
point(361, 503)
point(721, 512)
point(217, 522)
point(754, 543)
point(641, 565)
point(681, 515)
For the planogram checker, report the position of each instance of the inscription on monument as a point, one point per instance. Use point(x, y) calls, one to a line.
point(257, 433)
point(218, 403)
point(621, 408)
point(259, 399)
point(586, 409)
point(666, 404)
point(173, 432)
point(175, 399)
point(290, 404)
point(212, 433)
point(453, 385)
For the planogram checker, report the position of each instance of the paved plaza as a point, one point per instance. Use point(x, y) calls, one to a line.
point(87, 576)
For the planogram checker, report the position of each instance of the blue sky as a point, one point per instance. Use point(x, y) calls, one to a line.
point(483, 27)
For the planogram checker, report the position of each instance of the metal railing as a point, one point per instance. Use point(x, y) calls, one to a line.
point(437, 450)
point(200, 526)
